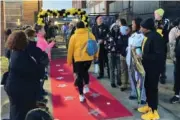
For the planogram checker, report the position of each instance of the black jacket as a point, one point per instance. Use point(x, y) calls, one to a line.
point(37, 53)
point(100, 31)
point(51, 32)
point(164, 25)
point(23, 75)
point(153, 51)
point(114, 42)
point(125, 44)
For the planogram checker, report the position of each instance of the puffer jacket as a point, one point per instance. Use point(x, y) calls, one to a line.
point(77, 46)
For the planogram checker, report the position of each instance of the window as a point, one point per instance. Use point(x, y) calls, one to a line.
point(13, 12)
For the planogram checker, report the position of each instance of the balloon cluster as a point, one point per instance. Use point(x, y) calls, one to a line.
point(62, 13)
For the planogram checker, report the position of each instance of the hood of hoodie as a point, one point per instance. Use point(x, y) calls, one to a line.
point(81, 31)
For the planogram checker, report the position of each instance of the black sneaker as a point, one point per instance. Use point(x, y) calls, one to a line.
point(44, 93)
point(143, 102)
point(174, 100)
point(123, 89)
point(163, 80)
point(132, 97)
point(45, 77)
point(100, 77)
point(119, 83)
point(113, 85)
point(75, 83)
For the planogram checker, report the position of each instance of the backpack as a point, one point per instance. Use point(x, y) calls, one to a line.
point(92, 46)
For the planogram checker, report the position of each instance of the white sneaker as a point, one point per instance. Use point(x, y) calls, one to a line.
point(81, 98)
point(86, 89)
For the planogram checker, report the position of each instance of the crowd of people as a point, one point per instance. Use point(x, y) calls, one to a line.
point(148, 38)
point(29, 54)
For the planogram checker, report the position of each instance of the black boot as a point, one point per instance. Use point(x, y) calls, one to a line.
point(163, 79)
point(113, 85)
point(100, 76)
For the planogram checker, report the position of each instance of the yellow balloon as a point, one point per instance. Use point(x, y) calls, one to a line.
point(79, 12)
point(64, 14)
point(49, 14)
point(83, 18)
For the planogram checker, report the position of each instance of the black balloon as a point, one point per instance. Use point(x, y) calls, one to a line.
point(54, 14)
point(63, 10)
point(84, 12)
point(41, 16)
point(68, 13)
point(48, 10)
point(75, 13)
point(46, 14)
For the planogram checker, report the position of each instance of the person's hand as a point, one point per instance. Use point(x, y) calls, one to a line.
point(95, 59)
point(178, 34)
point(174, 60)
point(139, 57)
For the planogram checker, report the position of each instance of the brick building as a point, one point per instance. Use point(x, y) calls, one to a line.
point(16, 13)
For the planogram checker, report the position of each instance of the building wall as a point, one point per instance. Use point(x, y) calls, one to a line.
point(79, 4)
point(29, 9)
point(96, 7)
point(24, 11)
point(13, 10)
point(144, 9)
point(2, 28)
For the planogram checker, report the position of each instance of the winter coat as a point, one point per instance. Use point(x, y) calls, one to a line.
point(77, 46)
point(153, 48)
point(43, 44)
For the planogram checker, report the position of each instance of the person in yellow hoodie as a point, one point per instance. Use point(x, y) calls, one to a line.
point(77, 49)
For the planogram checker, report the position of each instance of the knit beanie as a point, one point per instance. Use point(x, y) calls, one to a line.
point(160, 12)
point(148, 24)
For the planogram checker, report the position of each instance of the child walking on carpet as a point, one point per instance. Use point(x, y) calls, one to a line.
point(77, 49)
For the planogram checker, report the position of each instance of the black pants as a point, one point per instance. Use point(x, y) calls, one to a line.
point(82, 74)
point(151, 86)
point(177, 77)
point(103, 60)
point(74, 69)
point(163, 71)
point(21, 103)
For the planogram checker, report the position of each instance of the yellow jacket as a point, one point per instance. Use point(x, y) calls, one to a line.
point(77, 46)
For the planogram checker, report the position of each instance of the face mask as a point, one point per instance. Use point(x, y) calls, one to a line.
point(35, 39)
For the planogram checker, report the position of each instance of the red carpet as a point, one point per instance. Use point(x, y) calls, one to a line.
point(99, 105)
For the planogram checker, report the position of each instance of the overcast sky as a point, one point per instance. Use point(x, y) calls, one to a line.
point(54, 4)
